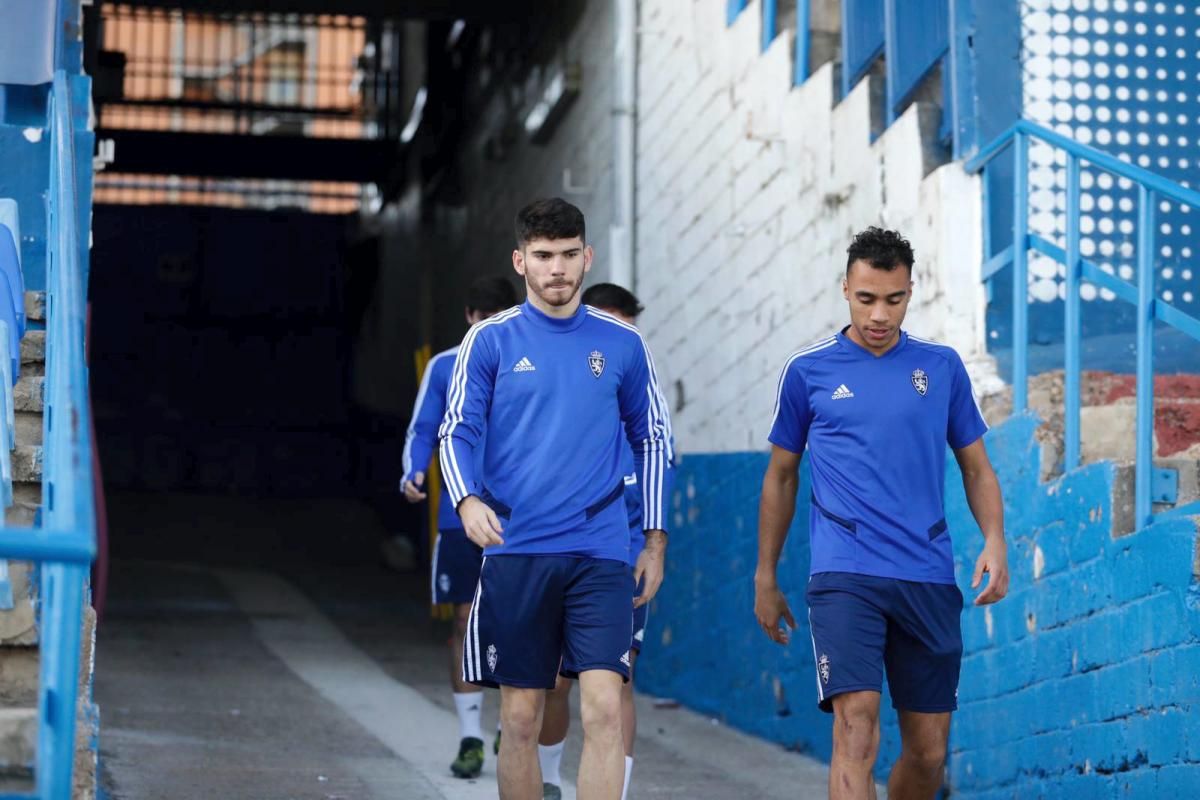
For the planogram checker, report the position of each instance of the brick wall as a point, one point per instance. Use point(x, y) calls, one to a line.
point(749, 191)
point(1084, 682)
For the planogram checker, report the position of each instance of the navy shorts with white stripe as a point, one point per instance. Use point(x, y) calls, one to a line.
point(530, 612)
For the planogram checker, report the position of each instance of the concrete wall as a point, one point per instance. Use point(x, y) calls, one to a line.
point(1085, 681)
point(749, 191)
point(576, 164)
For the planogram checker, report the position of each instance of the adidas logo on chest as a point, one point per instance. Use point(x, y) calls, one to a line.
point(842, 393)
point(524, 365)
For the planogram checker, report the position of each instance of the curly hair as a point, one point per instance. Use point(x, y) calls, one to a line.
point(882, 249)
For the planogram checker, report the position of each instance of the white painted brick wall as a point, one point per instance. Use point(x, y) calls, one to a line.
point(749, 191)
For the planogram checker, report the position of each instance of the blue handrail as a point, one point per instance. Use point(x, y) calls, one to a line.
point(66, 543)
point(1149, 309)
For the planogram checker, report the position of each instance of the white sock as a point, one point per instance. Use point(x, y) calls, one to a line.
point(628, 772)
point(469, 705)
point(550, 759)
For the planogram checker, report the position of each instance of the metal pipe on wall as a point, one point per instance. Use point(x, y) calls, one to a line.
point(621, 233)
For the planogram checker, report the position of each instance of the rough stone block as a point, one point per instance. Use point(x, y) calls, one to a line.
point(29, 393)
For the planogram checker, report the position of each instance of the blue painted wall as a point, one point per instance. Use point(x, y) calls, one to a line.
point(25, 173)
point(1079, 685)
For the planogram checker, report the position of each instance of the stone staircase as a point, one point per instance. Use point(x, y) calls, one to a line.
point(1108, 417)
point(19, 660)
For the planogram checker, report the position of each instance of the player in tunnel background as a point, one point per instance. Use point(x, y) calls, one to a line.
point(455, 562)
point(624, 305)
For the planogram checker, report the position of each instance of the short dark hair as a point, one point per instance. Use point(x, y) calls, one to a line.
point(490, 294)
point(609, 295)
point(882, 249)
point(550, 218)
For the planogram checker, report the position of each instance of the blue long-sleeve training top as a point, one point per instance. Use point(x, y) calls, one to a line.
point(552, 400)
point(421, 440)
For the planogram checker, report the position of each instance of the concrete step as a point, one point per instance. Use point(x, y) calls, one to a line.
point(18, 740)
point(27, 463)
point(30, 393)
point(33, 347)
point(35, 306)
point(18, 676)
point(26, 499)
point(28, 427)
point(18, 625)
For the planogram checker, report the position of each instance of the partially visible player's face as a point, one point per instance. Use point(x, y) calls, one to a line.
point(474, 315)
point(553, 268)
point(878, 302)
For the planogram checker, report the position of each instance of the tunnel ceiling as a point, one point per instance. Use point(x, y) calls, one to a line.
point(469, 10)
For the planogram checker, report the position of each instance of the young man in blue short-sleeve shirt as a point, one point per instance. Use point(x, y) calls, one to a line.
point(875, 409)
point(553, 390)
point(454, 568)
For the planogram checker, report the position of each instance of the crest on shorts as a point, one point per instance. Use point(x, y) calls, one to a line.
point(444, 582)
point(596, 362)
point(823, 668)
point(492, 657)
point(920, 381)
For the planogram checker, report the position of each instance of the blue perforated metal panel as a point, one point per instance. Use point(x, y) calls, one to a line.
point(1122, 76)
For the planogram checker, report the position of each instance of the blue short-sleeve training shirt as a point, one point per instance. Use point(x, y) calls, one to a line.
point(876, 429)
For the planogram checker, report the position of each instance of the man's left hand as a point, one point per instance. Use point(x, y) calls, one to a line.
point(994, 561)
point(649, 567)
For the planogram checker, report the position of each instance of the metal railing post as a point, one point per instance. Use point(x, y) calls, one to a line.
point(1145, 357)
point(803, 35)
point(891, 46)
point(1072, 333)
point(770, 18)
point(1020, 276)
point(732, 9)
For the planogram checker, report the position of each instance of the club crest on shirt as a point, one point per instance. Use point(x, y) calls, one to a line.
point(823, 668)
point(596, 362)
point(493, 657)
point(920, 381)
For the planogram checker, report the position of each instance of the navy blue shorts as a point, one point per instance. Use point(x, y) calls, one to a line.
point(537, 616)
point(454, 570)
point(863, 625)
point(639, 620)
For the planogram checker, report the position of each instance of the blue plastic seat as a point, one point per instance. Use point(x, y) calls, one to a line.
point(10, 267)
point(27, 41)
point(9, 317)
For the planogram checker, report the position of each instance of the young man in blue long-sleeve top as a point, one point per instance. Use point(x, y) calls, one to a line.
point(454, 569)
point(549, 389)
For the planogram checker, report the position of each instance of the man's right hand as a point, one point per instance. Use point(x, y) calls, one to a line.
point(412, 488)
point(480, 522)
point(771, 607)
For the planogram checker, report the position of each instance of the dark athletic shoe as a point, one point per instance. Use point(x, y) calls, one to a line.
point(470, 758)
point(551, 792)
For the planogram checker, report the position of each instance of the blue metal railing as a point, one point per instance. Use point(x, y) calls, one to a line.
point(65, 544)
point(1150, 309)
point(912, 36)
